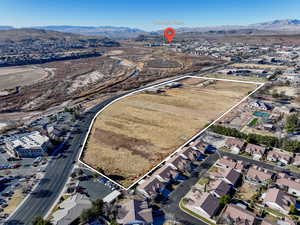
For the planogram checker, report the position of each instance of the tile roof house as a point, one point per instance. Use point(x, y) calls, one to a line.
point(240, 165)
point(276, 156)
point(238, 215)
point(219, 188)
point(296, 160)
point(70, 209)
point(286, 221)
point(292, 186)
point(204, 203)
point(188, 153)
point(279, 200)
point(151, 186)
point(225, 162)
point(256, 151)
point(135, 212)
point(200, 146)
point(166, 173)
point(235, 144)
point(259, 175)
point(178, 162)
point(231, 176)
point(260, 105)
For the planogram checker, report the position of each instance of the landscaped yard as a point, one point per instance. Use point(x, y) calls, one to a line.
point(213, 169)
point(253, 122)
point(183, 208)
point(246, 191)
point(293, 168)
point(203, 181)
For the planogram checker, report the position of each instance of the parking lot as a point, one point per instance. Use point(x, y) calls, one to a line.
point(17, 179)
point(97, 188)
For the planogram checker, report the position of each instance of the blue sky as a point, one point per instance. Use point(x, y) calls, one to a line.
point(142, 13)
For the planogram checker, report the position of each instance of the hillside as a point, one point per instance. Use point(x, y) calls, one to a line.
point(107, 31)
point(26, 46)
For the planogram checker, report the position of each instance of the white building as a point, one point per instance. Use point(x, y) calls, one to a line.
point(28, 145)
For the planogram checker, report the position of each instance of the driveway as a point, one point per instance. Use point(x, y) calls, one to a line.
point(171, 208)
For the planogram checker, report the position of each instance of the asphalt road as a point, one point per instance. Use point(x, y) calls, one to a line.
point(58, 171)
point(260, 164)
point(171, 208)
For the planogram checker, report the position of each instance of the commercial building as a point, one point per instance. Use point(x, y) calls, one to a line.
point(28, 145)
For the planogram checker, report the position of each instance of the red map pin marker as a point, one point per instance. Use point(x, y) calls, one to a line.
point(170, 34)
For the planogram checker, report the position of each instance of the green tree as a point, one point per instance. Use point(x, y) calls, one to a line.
point(80, 172)
point(113, 222)
point(87, 215)
point(292, 123)
point(293, 209)
point(275, 94)
point(97, 206)
point(40, 221)
point(92, 213)
point(225, 199)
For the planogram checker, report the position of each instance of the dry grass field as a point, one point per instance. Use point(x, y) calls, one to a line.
point(232, 77)
point(11, 77)
point(257, 66)
point(136, 133)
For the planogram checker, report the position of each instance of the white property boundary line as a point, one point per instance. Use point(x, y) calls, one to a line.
point(143, 89)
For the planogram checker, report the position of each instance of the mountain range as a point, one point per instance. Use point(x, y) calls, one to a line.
point(288, 26)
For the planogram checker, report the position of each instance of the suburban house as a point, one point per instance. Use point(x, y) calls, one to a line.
point(189, 153)
point(268, 222)
point(203, 203)
point(166, 173)
point(150, 187)
point(70, 209)
point(235, 144)
point(225, 162)
point(296, 160)
point(231, 176)
point(292, 186)
point(260, 105)
point(29, 145)
point(255, 151)
point(135, 212)
point(200, 146)
point(259, 175)
point(239, 216)
point(219, 188)
point(276, 156)
point(279, 200)
point(56, 133)
point(178, 162)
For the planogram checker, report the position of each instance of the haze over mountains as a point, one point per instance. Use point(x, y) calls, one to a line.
point(288, 26)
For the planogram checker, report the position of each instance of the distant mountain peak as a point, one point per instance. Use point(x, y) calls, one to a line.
point(6, 27)
point(279, 22)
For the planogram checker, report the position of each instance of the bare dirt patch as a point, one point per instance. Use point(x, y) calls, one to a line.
point(12, 77)
point(136, 133)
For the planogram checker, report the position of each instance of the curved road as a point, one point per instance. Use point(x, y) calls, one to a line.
point(59, 170)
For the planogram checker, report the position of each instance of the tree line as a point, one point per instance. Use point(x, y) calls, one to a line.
point(268, 141)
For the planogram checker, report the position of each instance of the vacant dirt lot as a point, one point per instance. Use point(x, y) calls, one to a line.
point(257, 66)
point(136, 133)
point(232, 77)
point(11, 77)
